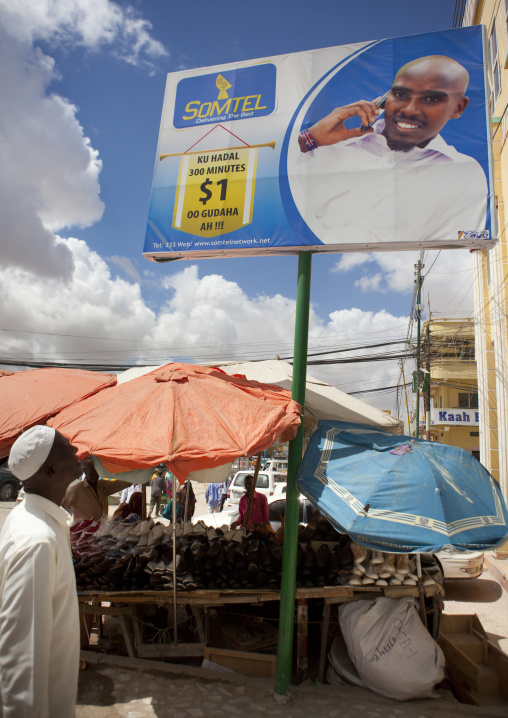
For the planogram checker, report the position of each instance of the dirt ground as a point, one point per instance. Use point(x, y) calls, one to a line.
point(118, 687)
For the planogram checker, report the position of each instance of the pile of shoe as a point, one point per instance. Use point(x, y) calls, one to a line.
point(125, 556)
point(374, 568)
point(121, 556)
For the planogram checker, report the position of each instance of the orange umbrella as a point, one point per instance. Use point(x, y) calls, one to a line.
point(30, 397)
point(190, 417)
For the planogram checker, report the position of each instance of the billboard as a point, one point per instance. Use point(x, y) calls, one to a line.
point(375, 146)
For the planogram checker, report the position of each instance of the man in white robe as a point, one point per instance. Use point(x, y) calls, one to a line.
point(39, 620)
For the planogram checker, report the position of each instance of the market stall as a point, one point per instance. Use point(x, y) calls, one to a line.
point(134, 565)
point(127, 606)
point(129, 567)
point(406, 496)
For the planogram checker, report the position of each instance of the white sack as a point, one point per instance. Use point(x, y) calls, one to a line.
point(391, 649)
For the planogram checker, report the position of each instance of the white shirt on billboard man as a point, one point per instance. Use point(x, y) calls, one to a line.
point(398, 181)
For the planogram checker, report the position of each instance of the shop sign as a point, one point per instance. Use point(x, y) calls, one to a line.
point(455, 417)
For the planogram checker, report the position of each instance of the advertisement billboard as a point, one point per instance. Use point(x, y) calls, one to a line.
point(375, 146)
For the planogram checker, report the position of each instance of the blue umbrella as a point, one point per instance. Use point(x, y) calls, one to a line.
point(400, 494)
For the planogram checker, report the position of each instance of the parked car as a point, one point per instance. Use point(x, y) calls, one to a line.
point(9, 484)
point(277, 508)
point(265, 484)
point(460, 564)
point(278, 465)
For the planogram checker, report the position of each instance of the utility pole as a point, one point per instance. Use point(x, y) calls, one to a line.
point(419, 307)
point(405, 394)
point(426, 382)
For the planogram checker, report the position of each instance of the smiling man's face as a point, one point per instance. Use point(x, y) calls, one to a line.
point(426, 94)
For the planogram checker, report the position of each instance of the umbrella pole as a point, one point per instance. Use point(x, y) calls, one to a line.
point(288, 581)
point(186, 500)
point(252, 489)
point(174, 561)
point(421, 594)
point(143, 502)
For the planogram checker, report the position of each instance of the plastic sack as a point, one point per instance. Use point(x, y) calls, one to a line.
point(390, 647)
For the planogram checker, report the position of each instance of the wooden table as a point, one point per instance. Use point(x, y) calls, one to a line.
point(126, 605)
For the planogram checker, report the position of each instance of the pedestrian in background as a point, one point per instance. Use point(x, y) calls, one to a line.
point(213, 496)
point(126, 494)
point(88, 499)
point(259, 510)
point(225, 488)
point(168, 479)
point(157, 486)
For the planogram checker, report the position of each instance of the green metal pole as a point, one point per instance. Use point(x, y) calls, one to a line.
point(418, 349)
point(288, 582)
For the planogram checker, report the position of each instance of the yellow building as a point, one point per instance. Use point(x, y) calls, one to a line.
point(448, 347)
point(490, 269)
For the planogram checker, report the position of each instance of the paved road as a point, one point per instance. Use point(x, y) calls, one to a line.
point(120, 689)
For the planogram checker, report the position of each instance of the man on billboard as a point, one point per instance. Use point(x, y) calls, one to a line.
point(394, 179)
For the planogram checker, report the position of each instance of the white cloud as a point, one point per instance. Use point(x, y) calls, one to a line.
point(447, 280)
point(49, 173)
point(204, 318)
point(49, 181)
point(91, 23)
point(354, 327)
point(88, 303)
point(352, 260)
point(217, 312)
point(126, 265)
point(370, 283)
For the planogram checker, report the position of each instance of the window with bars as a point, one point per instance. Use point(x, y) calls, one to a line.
point(506, 17)
point(468, 400)
point(494, 78)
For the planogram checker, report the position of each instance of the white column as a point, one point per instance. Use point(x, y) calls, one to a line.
point(499, 329)
point(481, 359)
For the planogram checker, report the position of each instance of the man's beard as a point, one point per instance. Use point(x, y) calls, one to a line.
point(398, 145)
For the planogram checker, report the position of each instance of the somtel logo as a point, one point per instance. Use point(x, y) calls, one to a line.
point(229, 95)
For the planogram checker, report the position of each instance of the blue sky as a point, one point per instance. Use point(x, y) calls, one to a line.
point(82, 106)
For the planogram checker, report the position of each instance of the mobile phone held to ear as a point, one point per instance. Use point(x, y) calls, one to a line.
point(381, 105)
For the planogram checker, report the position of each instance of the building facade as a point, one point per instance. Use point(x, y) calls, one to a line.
point(490, 269)
point(448, 353)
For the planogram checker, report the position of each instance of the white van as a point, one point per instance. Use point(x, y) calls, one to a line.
point(265, 484)
point(280, 466)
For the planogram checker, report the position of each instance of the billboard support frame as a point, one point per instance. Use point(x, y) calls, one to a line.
point(288, 581)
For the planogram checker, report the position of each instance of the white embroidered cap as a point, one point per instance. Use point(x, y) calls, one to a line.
point(30, 451)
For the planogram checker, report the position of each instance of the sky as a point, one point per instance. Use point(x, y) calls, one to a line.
point(82, 90)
